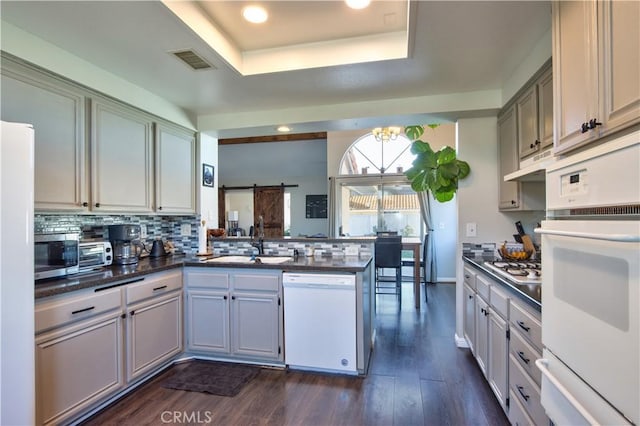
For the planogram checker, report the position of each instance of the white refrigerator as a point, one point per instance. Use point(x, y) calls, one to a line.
point(17, 362)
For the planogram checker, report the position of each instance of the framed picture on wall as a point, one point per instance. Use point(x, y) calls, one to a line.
point(207, 175)
point(316, 206)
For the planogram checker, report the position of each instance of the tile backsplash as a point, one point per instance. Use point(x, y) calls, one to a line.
point(90, 226)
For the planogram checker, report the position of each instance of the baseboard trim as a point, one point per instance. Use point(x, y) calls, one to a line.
point(461, 342)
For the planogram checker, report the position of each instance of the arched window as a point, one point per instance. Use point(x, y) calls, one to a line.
point(367, 155)
point(371, 193)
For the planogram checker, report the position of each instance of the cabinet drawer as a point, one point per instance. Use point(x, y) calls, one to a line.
point(206, 279)
point(499, 301)
point(256, 282)
point(525, 355)
point(65, 310)
point(526, 392)
point(154, 285)
point(526, 324)
point(482, 286)
point(470, 277)
point(517, 414)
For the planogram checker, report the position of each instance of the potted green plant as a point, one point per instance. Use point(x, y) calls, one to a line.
point(436, 171)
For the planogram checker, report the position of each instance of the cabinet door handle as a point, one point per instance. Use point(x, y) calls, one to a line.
point(521, 391)
point(160, 288)
point(83, 310)
point(233, 298)
point(224, 297)
point(471, 296)
point(522, 326)
point(513, 202)
point(593, 123)
point(160, 208)
point(537, 142)
point(132, 313)
point(584, 128)
point(532, 145)
point(521, 355)
point(97, 204)
point(85, 204)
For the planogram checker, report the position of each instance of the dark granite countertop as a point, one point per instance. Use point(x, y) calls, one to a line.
point(123, 274)
point(302, 263)
point(530, 293)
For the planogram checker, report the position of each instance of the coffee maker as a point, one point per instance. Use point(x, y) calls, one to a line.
point(125, 243)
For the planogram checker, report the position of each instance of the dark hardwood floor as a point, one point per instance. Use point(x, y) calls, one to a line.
point(417, 376)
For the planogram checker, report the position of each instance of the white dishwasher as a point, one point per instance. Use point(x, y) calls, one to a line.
point(320, 322)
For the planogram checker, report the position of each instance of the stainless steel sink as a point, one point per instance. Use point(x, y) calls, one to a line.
point(248, 259)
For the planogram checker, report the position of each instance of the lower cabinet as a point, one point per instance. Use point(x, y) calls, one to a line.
point(89, 345)
point(77, 366)
point(235, 313)
point(154, 334)
point(506, 343)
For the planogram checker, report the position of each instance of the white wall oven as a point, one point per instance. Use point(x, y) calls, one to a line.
point(591, 296)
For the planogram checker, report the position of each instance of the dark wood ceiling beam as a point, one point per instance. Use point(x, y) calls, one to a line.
point(274, 138)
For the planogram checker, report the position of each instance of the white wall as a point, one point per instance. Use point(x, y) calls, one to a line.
point(302, 163)
point(208, 149)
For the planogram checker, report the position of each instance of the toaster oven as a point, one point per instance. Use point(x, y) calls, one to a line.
point(94, 255)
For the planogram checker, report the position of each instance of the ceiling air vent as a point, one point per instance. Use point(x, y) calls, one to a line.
point(192, 59)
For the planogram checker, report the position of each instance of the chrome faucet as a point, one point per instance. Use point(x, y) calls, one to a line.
point(260, 244)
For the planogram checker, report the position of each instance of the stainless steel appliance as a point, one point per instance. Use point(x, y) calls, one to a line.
point(94, 255)
point(125, 240)
point(55, 255)
point(591, 297)
point(519, 272)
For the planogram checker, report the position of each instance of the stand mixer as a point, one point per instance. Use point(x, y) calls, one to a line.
point(125, 242)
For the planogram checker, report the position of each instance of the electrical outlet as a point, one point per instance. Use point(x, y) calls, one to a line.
point(471, 229)
point(143, 231)
point(185, 230)
point(351, 251)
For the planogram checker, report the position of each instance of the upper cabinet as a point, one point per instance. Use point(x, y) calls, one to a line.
point(175, 170)
point(535, 116)
point(95, 154)
point(57, 112)
point(121, 158)
point(509, 192)
point(596, 51)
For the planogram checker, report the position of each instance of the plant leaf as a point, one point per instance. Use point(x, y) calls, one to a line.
point(446, 155)
point(444, 196)
point(464, 168)
point(448, 170)
point(418, 147)
point(433, 125)
point(413, 132)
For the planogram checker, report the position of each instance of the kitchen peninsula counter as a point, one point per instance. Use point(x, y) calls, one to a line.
point(122, 274)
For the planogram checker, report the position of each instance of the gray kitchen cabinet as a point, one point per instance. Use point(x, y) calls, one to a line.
point(534, 110)
point(499, 344)
point(235, 313)
point(175, 170)
point(596, 51)
point(256, 316)
point(78, 352)
point(208, 321)
point(482, 335)
point(57, 112)
point(153, 322)
point(121, 158)
point(509, 192)
point(469, 314)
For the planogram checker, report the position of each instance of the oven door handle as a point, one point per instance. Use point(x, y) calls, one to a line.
point(542, 366)
point(618, 238)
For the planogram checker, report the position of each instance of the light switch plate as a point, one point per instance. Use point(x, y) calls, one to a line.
point(471, 229)
point(143, 231)
point(185, 230)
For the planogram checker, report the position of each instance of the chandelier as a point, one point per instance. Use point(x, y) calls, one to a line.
point(384, 134)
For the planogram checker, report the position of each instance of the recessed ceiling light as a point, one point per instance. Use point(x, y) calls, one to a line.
point(284, 129)
point(255, 14)
point(357, 4)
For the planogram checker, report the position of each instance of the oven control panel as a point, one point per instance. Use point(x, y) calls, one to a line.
point(574, 183)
